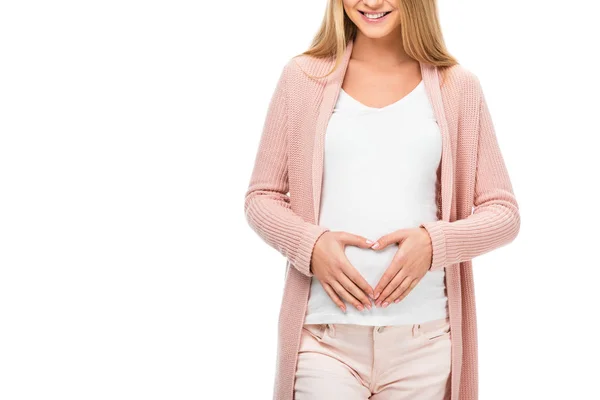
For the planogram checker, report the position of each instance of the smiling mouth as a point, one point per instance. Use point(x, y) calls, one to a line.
point(374, 15)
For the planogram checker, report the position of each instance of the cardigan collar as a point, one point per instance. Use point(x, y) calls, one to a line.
point(331, 91)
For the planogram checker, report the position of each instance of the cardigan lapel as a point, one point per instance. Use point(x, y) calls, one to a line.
point(432, 86)
point(330, 94)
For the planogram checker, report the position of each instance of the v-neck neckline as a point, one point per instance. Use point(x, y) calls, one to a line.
point(396, 103)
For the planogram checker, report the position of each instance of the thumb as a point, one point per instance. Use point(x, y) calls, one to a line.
point(356, 240)
point(393, 237)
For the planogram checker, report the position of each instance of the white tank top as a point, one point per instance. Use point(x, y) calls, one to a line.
point(379, 175)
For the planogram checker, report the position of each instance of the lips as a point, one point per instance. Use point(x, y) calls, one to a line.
point(380, 14)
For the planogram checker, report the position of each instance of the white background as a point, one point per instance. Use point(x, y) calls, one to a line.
point(128, 133)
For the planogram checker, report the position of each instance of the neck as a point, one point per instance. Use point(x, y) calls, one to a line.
point(385, 51)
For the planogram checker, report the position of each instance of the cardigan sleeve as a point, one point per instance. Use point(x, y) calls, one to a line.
point(267, 206)
point(495, 219)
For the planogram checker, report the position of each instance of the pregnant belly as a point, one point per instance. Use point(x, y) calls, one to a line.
point(426, 300)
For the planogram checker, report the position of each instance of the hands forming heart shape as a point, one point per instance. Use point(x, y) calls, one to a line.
point(341, 280)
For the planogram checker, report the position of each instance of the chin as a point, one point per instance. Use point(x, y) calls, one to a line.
point(374, 35)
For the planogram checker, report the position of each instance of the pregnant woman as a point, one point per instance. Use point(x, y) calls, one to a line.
point(379, 177)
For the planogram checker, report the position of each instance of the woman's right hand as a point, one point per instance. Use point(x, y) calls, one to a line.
point(336, 274)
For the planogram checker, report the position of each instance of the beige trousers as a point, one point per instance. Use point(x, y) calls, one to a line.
point(355, 362)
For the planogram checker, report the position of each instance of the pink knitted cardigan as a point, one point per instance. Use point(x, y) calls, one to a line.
point(477, 209)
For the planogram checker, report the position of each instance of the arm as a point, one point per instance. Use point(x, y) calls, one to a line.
point(267, 206)
point(495, 220)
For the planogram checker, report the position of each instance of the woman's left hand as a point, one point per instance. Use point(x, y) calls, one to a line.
point(410, 263)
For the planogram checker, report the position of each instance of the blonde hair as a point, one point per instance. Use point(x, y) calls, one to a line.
point(419, 24)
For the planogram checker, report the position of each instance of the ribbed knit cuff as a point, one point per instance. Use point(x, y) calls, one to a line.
point(309, 238)
point(438, 244)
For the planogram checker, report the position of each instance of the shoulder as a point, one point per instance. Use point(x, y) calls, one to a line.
point(300, 76)
point(461, 89)
point(302, 70)
point(462, 81)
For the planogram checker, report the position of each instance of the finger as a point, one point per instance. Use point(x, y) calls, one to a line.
point(390, 273)
point(390, 238)
point(389, 289)
point(400, 289)
point(358, 279)
point(407, 291)
point(356, 240)
point(334, 297)
point(344, 294)
point(355, 291)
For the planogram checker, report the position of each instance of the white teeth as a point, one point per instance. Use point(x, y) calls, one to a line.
point(374, 16)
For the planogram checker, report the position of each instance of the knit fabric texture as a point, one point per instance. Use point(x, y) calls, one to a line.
point(477, 208)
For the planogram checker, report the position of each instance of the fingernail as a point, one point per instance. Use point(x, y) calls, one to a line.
point(385, 304)
point(360, 308)
point(376, 295)
point(397, 300)
point(369, 241)
point(376, 245)
point(369, 306)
